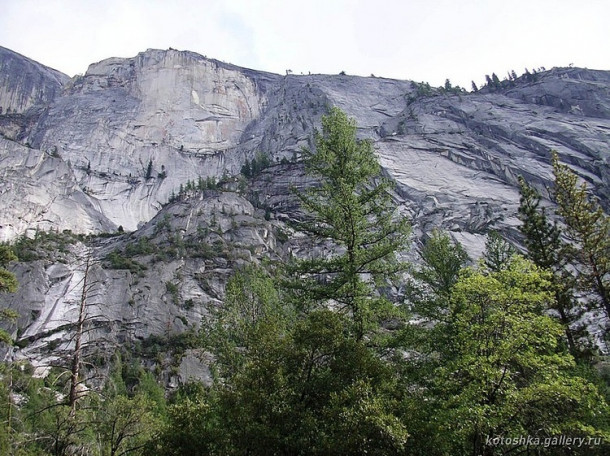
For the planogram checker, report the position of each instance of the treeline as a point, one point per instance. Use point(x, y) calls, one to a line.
point(191, 186)
point(493, 82)
point(312, 358)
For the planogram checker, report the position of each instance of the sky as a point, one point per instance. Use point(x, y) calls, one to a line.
point(421, 40)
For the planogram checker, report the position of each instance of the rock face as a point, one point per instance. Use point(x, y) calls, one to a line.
point(25, 83)
point(110, 148)
point(135, 129)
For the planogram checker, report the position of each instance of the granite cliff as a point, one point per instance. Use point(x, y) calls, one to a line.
point(104, 152)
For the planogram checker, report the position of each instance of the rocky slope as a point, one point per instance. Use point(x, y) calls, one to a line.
point(111, 148)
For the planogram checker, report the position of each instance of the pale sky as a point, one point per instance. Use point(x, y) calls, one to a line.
point(421, 40)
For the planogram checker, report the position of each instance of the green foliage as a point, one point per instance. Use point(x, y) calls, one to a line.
point(176, 343)
point(252, 305)
point(192, 187)
point(6, 256)
point(163, 225)
point(443, 260)
point(588, 227)
point(142, 247)
point(501, 370)
point(7, 315)
point(246, 169)
point(192, 428)
point(542, 238)
point(312, 363)
point(45, 245)
point(118, 261)
point(296, 377)
point(258, 164)
point(353, 211)
point(448, 88)
point(427, 300)
point(8, 284)
point(507, 376)
point(8, 281)
point(546, 249)
point(498, 251)
point(126, 425)
point(307, 389)
point(40, 422)
point(174, 292)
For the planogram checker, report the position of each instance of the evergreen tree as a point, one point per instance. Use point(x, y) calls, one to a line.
point(8, 284)
point(447, 87)
point(252, 304)
point(351, 209)
point(314, 392)
point(542, 238)
point(497, 251)
point(300, 377)
point(443, 261)
point(125, 425)
point(246, 169)
point(546, 249)
point(8, 281)
point(588, 227)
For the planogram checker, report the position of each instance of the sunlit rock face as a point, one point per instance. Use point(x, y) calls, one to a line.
point(39, 192)
point(110, 148)
point(135, 129)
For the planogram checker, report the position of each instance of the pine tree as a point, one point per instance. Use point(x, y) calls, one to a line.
point(246, 169)
point(8, 281)
point(498, 251)
point(8, 284)
point(588, 227)
point(447, 87)
point(546, 249)
point(542, 238)
point(352, 210)
point(443, 260)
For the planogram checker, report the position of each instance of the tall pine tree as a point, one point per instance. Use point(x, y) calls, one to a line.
point(352, 209)
point(546, 249)
point(588, 227)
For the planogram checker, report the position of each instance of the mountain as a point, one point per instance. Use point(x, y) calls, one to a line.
point(110, 152)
